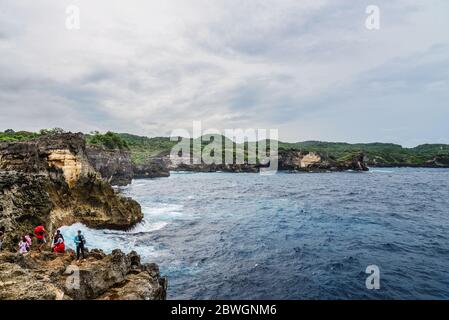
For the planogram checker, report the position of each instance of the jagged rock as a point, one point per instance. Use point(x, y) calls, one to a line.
point(357, 163)
point(154, 167)
point(49, 276)
point(139, 286)
point(97, 276)
point(95, 253)
point(134, 261)
point(152, 269)
point(50, 181)
point(114, 165)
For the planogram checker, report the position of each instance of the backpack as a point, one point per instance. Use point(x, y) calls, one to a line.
point(82, 239)
point(39, 231)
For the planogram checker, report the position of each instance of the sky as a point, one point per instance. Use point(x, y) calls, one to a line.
point(310, 68)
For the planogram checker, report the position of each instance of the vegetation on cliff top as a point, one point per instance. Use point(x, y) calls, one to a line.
point(109, 140)
point(11, 135)
point(387, 154)
point(143, 148)
point(380, 153)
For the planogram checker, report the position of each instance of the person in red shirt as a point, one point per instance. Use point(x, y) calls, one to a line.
point(40, 234)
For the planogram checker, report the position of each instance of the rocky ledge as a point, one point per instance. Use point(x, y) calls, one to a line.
point(48, 276)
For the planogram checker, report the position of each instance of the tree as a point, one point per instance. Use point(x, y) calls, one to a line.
point(51, 131)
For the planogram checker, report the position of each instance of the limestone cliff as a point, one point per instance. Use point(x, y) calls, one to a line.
point(50, 181)
point(288, 160)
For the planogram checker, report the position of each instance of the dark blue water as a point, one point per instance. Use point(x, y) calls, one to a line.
point(293, 236)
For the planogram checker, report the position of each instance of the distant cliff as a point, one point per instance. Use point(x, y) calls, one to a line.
point(375, 154)
point(293, 160)
point(114, 165)
point(288, 160)
point(153, 167)
point(110, 155)
point(144, 153)
point(49, 180)
point(121, 157)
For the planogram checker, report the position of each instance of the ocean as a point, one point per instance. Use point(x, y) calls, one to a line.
point(292, 235)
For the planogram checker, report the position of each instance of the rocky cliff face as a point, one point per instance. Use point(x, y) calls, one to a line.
point(116, 167)
point(154, 167)
point(48, 276)
point(50, 181)
point(312, 161)
point(214, 167)
point(288, 160)
point(113, 165)
point(438, 161)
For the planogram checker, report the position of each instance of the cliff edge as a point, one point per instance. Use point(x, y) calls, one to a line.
point(49, 181)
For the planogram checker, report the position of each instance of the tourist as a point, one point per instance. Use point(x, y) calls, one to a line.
point(29, 240)
point(40, 233)
point(2, 234)
point(58, 245)
point(80, 241)
point(23, 246)
point(57, 236)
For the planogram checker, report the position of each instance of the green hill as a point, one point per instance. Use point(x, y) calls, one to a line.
point(377, 154)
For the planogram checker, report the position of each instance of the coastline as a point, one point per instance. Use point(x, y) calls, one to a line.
point(57, 180)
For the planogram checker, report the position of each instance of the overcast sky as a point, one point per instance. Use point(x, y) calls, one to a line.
point(308, 68)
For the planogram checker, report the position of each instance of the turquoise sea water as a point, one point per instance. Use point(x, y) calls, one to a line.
point(292, 236)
